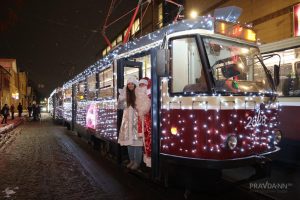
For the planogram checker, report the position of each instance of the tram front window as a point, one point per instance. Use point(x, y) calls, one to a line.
point(235, 67)
point(188, 75)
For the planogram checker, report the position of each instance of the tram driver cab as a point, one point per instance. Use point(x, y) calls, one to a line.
point(200, 84)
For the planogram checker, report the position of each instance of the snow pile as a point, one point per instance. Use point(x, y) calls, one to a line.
point(6, 128)
point(8, 192)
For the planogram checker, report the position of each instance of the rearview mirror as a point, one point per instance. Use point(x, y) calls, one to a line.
point(230, 70)
point(276, 75)
point(162, 62)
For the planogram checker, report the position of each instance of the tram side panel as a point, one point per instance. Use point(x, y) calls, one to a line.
point(106, 121)
point(289, 123)
point(59, 111)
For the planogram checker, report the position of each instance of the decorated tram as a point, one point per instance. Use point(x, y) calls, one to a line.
point(213, 99)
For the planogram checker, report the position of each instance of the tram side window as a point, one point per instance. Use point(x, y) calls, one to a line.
point(285, 73)
point(187, 71)
point(91, 83)
point(289, 71)
point(60, 98)
point(291, 84)
point(106, 83)
point(80, 91)
point(130, 71)
point(68, 95)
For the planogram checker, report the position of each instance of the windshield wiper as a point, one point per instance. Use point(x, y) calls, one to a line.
point(269, 75)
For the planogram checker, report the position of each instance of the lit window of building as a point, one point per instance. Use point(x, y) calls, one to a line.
point(125, 32)
point(114, 43)
point(160, 15)
point(135, 27)
point(119, 39)
point(107, 49)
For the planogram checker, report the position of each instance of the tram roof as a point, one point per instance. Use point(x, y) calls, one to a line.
point(145, 43)
point(203, 22)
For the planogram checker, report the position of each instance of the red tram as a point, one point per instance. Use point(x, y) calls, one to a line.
point(213, 99)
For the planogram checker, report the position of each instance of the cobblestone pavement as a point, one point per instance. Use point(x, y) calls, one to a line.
point(37, 165)
point(45, 161)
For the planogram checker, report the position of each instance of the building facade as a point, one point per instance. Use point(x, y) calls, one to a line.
point(23, 83)
point(11, 95)
point(4, 86)
point(13, 84)
point(272, 20)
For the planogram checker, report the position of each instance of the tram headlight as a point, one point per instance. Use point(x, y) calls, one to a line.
point(174, 130)
point(277, 136)
point(231, 141)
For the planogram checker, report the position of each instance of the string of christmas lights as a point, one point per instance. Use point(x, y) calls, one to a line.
point(192, 125)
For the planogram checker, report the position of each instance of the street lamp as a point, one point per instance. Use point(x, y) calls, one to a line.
point(193, 14)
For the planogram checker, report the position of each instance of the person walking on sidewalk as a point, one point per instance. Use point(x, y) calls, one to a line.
point(5, 113)
point(12, 110)
point(29, 110)
point(20, 109)
point(38, 111)
point(34, 112)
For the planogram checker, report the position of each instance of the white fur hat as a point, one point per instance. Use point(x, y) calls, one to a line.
point(144, 81)
point(132, 79)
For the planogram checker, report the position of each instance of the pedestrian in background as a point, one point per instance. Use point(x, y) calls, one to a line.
point(34, 112)
point(38, 111)
point(29, 108)
point(12, 110)
point(5, 113)
point(20, 109)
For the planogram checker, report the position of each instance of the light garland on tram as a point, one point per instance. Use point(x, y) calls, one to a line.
point(133, 47)
point(67, 111)
point(106, 118)
point(81, 112)
point(216, 136)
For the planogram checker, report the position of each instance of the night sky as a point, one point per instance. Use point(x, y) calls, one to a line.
point(53, 40)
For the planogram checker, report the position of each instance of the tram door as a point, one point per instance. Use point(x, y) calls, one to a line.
point(125, 69)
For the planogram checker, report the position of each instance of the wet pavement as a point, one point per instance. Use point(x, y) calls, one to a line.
point(46, 161)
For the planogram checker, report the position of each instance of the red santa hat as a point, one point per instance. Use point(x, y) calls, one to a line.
point(146, 81)
point(143, 81)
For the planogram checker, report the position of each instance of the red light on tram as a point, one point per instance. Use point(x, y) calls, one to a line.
point(297, 20)
point(237, 31)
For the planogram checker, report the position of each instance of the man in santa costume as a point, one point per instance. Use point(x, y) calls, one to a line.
point(143, 102)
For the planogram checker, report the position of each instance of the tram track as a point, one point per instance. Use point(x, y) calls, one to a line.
point(244, 187)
